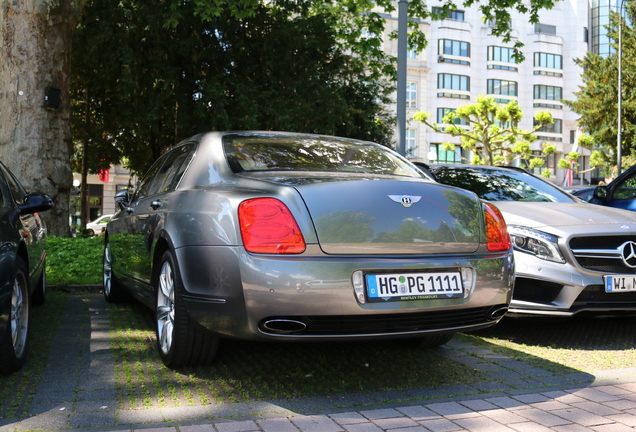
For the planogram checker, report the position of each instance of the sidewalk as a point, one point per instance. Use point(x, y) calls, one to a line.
point(77, 392)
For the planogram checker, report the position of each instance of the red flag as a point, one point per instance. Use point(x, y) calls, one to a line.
point(104, 175)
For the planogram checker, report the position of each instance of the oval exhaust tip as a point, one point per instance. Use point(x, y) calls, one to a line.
point(498, 313)
point(284, 326)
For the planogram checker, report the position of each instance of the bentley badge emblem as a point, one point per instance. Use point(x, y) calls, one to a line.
point(405, 200)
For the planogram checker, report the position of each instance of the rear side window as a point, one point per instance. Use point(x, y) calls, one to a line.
point(147, 179)
point(165, 179)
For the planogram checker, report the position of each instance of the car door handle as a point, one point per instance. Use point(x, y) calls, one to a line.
point(155, 204)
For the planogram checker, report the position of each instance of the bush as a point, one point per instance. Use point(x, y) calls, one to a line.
point(74, 261)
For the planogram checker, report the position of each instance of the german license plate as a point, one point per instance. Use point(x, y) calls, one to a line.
point(414, 286)
point(620, 283)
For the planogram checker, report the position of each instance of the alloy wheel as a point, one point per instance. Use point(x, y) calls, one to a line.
point(19, 315)
point(165, 307)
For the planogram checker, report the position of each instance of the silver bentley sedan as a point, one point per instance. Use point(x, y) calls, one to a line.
point(285, 236)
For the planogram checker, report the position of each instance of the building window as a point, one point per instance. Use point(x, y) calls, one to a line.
point(501, 87)
point(547, 105)
point(444, 156)
point(454, 48)
point(548, 92)
point(411, 54)
point(550, 61)
point(555, 127)
point(456, 15)
point(550, 162)
point(448, 47)
point(572, 136)
point(411, 95)
point(500, 54)
point(453, 82)
point(441, 113)
point(95, 198)
point(453, 95)
point(549, 138)
point(502, 67)
point(503, 55)
point(442, 59)
point(411, 143)
point(544, 28)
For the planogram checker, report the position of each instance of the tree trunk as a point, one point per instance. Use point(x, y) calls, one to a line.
point(35, 141)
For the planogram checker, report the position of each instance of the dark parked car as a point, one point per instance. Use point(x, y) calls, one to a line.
point(620, 193)
point(571, 257)
point(294, 237)
point(585, 193)
point(22, 266)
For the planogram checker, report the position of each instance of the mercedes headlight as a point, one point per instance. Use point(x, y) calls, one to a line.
point(538, 243)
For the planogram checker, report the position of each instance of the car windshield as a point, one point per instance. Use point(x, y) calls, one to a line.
point(252, 153)
point(494, 184)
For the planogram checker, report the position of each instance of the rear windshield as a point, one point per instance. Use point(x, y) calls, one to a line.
point(254, 153)
point(501, 184)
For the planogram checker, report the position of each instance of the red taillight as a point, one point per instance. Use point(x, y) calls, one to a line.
point(267, 226)
point(497, 237)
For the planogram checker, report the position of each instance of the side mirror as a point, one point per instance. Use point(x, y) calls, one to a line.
point(600, 193)
point(34, 203)
point(122, 198)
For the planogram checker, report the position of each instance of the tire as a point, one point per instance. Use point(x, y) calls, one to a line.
point(180, 341)
point(39, 294)
point(114, 291)
point(430, 341)
point(15, 339)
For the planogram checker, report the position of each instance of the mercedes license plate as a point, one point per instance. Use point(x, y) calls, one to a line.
point(620, 283)
point(414, 286)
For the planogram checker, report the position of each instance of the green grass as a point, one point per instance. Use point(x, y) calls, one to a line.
point(247, 371)
point(250, 371)
point(74, 261)
point(560, 344)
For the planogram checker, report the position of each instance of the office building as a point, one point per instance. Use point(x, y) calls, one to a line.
point(463, 60)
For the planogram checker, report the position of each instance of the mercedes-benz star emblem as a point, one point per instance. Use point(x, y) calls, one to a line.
point(628, 253)
point(405, 200)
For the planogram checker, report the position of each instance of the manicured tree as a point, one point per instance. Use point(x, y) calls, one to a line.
point(491, 131)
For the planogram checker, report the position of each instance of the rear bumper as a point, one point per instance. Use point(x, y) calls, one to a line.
point(245, 296)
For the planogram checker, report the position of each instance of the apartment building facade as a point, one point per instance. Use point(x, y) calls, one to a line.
point(464, 60)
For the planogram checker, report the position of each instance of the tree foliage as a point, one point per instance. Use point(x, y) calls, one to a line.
point(149, 73)
point(276, 69)
point(597, 100)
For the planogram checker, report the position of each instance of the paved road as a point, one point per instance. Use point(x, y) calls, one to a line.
point(78, 393)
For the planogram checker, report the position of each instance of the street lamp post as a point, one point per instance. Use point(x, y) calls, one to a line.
point(401, 75)
point(619, 137)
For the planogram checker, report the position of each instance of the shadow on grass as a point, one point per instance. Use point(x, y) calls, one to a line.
point(18, 389)
point(511, 356)
point(585, 343)
point(248, 371)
